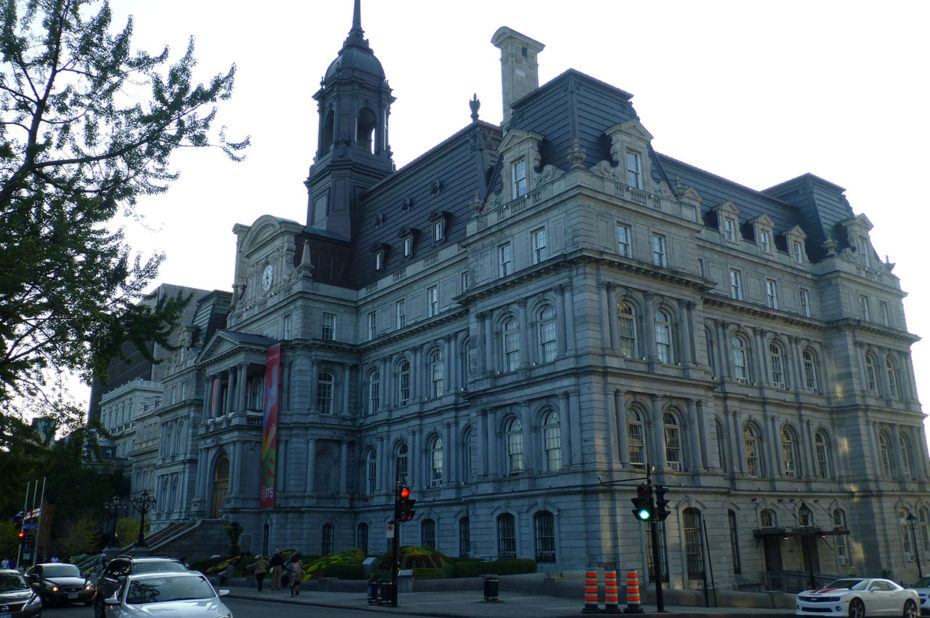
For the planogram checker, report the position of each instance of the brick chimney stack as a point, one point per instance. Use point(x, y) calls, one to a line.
point(519, 68)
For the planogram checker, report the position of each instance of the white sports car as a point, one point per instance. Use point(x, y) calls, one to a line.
point(858, 597)
point(922, 586)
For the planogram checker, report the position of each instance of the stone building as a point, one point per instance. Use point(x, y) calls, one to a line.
point(527, 318)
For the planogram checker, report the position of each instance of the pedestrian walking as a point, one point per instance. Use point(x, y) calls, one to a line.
point(296, 573)
point(261, 568)
point(277, 570)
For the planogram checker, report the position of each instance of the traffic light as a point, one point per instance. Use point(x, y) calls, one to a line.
point(661, 510)
point(642, 503)
point(405, 506)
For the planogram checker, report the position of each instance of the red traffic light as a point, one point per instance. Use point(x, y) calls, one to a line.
point(405, 492)
point(21, 534)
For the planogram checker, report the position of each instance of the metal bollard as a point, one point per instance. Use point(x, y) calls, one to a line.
point(491, 588)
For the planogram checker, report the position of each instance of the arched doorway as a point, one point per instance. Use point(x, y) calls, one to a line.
point(220, 485)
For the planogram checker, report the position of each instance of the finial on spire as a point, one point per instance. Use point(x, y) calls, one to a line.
point(356, 34)
point(474, 104)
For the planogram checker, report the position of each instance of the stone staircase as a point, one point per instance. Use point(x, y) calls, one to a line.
point(192, 540)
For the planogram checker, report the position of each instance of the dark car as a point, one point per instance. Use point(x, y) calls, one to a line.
point(17, 599)
point(118, 569)
point(58, 582)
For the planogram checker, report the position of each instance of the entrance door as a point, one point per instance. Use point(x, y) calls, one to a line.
point(220, 485)
point(773, 566)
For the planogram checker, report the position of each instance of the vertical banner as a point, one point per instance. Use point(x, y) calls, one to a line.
point(270, 428)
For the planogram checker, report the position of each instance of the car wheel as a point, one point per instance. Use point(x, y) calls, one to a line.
point(910, 610)
point(856, 609)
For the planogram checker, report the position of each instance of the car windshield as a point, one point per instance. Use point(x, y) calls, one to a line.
point(11, 581)
point(159, 566)
point(923, 582)
point(849, 583)
point(162, 589)
point(61, 570)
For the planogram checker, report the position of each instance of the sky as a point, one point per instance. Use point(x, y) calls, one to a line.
point(757, 92)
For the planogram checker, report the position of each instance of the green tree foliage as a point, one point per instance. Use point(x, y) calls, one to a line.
point(80, 141)
point(9, 539)
point(81, 537)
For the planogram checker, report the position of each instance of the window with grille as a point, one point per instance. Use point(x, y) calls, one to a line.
point(771, 293)
point(372, 325)
point(505, 259)
point(624, 241)
point(659, 251)
point(374, 391)
point(518, 178)
point(324, 393)
point(767, 519)
point(892, 371)
point(694, 556)
point(436, 461)
point(721, 444)
point(544, 536)
point(672, 442)
point(765, 241)
point(884, 453)
point(539, 242)
point(470, 469)
point(634, 170)
point(736, 284)
point(871, 379)
point(798, 251)
point(840, 541)
point(906, 461)
point(514, 437)
point(428, 533)
point(777, 364)
point(751, 447)
point(329, 327)
point(403, 383)
point(432, 301)
point(883, 308)
point(511, 341)
point(805, 300)
point(506, 536)
point(400, 312)
point(663, 331)
point(436, 370)
point(464, 538)
point(789, 452)
point(729, 229)
point(547, 334)
point(326, 546)
point(864, 309)
point(401, 464)
point(636, 439)
point(821, 446)
point(627, 327)
point(552, 441)
point(810, 370)
point(739, 358)
point(371, 472)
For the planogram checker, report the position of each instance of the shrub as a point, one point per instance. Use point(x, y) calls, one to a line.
point(347, 570)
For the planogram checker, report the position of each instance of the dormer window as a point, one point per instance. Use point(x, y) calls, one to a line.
point(407, 239)
point(765, 241)
point(380, 251)
point(408, 246)
point(729, 229)
point(866, 251)
point(634, 169)
point(438, 219)
point(518, 178)
point(379, 260)
point(797, 250)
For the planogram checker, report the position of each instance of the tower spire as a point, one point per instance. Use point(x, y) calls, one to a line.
point(356, 34)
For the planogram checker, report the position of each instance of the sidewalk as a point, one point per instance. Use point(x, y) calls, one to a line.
point(471, 604)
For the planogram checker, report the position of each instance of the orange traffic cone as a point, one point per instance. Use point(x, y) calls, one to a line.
point(590, 593)
point(633, 605)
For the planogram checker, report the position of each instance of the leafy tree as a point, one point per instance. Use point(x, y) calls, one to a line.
point(79, 142)
point(81, 537)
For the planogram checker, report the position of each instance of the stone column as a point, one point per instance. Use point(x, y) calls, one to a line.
point(230, 390)
point(697, 457)
point(493, 459)
point(648, 330)
point(347, 380)
point(311, 463)
point(527, 354)
point(687, 341)
point(608, 317)
point(483, 456)
point(622, 430)
point(565, 291)
point(382, 461)
point(571, 401)
point(242, 395)
point(207, 395)
point(343, 466)
point(658, 432)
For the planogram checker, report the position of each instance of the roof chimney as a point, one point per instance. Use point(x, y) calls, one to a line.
point(519, 69)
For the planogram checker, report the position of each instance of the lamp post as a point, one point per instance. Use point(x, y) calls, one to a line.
point(912, 523)
point(143, 503)
point(113, 507)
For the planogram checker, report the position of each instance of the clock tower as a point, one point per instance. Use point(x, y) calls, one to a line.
point(353, 153)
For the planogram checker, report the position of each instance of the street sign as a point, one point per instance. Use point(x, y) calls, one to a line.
point(30, 526)
point(390, 531)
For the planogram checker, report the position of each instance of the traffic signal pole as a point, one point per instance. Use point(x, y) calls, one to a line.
point(656, 554)
point(395, 562)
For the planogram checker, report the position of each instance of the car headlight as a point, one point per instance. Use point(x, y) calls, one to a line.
point(89, 586)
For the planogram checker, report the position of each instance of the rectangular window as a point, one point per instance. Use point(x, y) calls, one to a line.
point(702, 269)
point(659, 256)
point(864, 308)
point(285, 330)
point(729, 229)
point(866, 251)
point(506, 537)
point(400, 310)
point(518, 178)
point(464, 541)
point(505, 259)
point(805, 299)
point(464, 280)
point(439, 230)
point(736, 284)
point(765, 241)
point(624, 241)
point(883, 307)
point(432, 301)
point(408, 246)
point(379, 260)
point(372, 325)
point(634, 170)
point(798, 250)
point(771, 293)
point(540, 249)
point(328, 330)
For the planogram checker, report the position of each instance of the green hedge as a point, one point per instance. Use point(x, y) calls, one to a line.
point(473, 567)
point(344, 571)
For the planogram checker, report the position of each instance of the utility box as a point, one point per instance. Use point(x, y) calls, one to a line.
point(405, 580)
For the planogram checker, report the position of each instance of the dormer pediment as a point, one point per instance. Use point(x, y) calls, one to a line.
point(728, 208)
point(796, 233)
point(515, 138)
point(692, 196)
point(763, 222)
point(633, 129)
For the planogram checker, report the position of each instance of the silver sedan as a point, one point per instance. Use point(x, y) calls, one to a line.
point(177, 594)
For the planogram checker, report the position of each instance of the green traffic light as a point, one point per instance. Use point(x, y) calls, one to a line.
point(643, 514)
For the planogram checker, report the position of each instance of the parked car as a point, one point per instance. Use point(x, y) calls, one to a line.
point(17, 599)
point(187, 594)
point(121, 567)
point(59, 582)
point(922, 586)
point(858, 597)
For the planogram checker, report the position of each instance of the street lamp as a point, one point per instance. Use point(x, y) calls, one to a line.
point(143, 503)
point(113, 507)
point(912, 522)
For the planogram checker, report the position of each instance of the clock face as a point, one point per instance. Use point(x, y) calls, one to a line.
point(267, 276)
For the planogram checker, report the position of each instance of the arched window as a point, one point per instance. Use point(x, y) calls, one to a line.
point(768, 519)
point(739, 359)
point(694, 557)
point(636, 438)
point(721, 444)
point(361, 537)
point(753, 451)
point(469, 455)
point(436, 370)
point(548, 346)
point(544, 536)
point(428, 533)
point(776, 365)
point(822, 447)
point(672, 432)
point(326, 545)
point(400, 463)
point(809, 358)
point(840, 541)
point(552, 441)
point(924, 524)
point(789, 453)
point(506, 536)
point(871, 376)
point(514, 434)
point(374, 391)
point(403, 382)
point(906, 459)
point(884, 455)
point(892, 372)
point(365, 138)
point(511, 342)
point(324, 392)
point(371, 472)
point(436, 461)
point(626, 320)
point(664, 349)
point(805, 516)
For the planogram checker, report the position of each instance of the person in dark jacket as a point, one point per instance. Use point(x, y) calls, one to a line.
point(276, 564)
